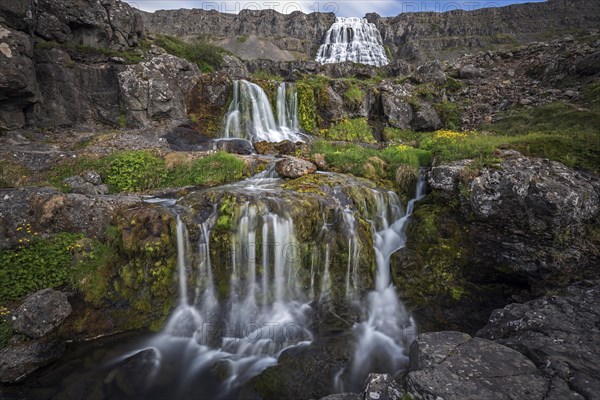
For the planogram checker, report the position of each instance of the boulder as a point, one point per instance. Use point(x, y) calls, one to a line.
point(265, 148)
point(382, 387)
point(452, 366)
point(398, 112)
point(426, 119)
point(235, 146)
point(560, 334)
point(184, 138)
point(590, 65)
point(431, 72)
point(446, 177)
point(292, 167)
point(20, 359)
point(41, 313)
point(470, 72)
point(89, 183)
point(286, 147)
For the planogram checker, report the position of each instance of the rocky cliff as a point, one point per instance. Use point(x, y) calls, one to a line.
point(411, 36)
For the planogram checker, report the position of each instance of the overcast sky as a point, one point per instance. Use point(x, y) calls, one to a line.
point(346, 8)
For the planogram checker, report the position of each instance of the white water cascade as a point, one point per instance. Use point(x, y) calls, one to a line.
point(389, 329)
point(251, 116)
point(352, 39)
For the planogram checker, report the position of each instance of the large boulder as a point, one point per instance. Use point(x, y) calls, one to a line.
point(452, 366)
point(292, 167)
point(426, 119)
point(382, 387)
point(398, 112)
point(431, 72)
point(41, 313)
point(560, 334)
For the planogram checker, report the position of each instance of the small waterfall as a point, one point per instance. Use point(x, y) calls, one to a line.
point(352, 39)
point(251, 117)
point(389, 329)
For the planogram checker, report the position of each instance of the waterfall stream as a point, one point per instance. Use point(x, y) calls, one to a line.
point(251, 116)
point(352, 39)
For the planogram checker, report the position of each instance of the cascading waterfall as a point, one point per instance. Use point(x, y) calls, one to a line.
point(352, 39)
point(251, 117)
point(389, 329)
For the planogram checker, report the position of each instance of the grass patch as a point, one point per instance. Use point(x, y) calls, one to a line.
point(262, 75)
point(211, 170)
point(354, 96)
point(351, 130)
point(450, 114)
point(207, 56)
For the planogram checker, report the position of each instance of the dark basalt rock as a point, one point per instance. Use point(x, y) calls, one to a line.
point(452, 366)
point(184, 138)
point(235, 146)
point(41, 313)
point(21, 359)
point(560, 334)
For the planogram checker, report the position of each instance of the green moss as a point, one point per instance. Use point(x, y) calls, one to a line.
point(351, 130)
point(6, 331)
point(12, 174)
point(207, 56)
point(227, 209)
point(307, 108)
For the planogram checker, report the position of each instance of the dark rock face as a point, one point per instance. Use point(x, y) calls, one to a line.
point(19, 360)
point(292, 167)
point(294, 32)
point(452, 365)
point(560, 334)
point(399, 113)
point(41, 312)
point(431, 72)
point(58, 212)
point(427, 119)
point(421, 36)
point(235, 146)
point(382, 387)
point(134, 373)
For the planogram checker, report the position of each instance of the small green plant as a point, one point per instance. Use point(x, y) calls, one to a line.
point(122, 121)
point(6, 331)
point(450, 114)
point(351, 130)
point(36, 263)
point(242, 39)
point(135, 171)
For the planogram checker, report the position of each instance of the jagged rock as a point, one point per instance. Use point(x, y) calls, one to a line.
point(18, 85)
point(470, 72)
point(292, 167)
point(545, 193)
point(40, 313)
point(235, 146)
point(156, 89)
point(398, 112)
point(560, 334)
point(431, 72)
point(382, 387)
point(446, 177)
point(452, 365)
point(88, 183)
point(20, 359)
point(133, 374)
point(426, 119)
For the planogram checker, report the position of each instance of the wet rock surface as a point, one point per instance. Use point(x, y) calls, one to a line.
point(292, 167)
point(452, 365)
point(560, 334)
point(41, 313)
point(20, 359)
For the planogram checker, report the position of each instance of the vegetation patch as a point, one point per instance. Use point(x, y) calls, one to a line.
point(207, 56)
point(12, 174)
point(354, 96)
point(450, 114)
point(351, 130)
point(135, 171)
point(307, 108)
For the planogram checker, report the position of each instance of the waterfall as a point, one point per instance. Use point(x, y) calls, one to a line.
point(251, 117)
point(352, 39)
point(389, 329)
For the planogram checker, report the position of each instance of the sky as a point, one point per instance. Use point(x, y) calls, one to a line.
point(345, 8)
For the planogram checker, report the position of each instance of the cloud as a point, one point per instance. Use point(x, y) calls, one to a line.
point(346, 8)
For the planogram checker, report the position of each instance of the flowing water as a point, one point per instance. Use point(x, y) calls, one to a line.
point(352, 39)
point(251, 116)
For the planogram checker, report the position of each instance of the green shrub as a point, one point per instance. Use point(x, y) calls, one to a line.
point(211, 170)
point(207, 56)
point(36, 264)
point(135, 171)
point(351, 130)
point(450, 114)
point(354, 96)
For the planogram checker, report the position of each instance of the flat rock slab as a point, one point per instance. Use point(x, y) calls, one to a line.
point(41, 313)
point(18, 361)
point(453, 366)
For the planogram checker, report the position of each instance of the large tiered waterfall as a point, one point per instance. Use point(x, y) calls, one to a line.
point(251, 116)
point(352, 39)
point(273, 288)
